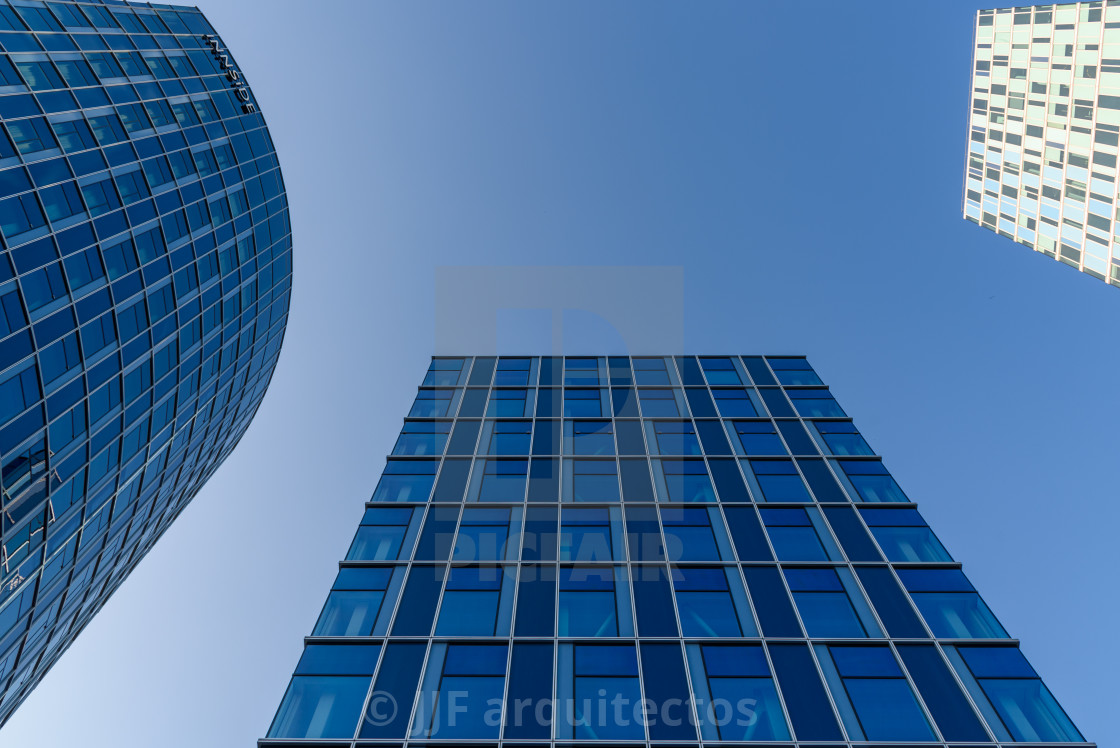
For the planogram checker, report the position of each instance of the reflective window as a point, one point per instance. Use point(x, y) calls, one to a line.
point(382, 535)
point(1003, 678)
point(695, 534)
point(477, 601)
point(509, 437)
point(589, 437)
point(594, 676)
point(354, 603)
point(506, 404)
point(651, 371)
point(658, 403)
point(759, 438)
point(779, 480)
point(720, 371)
point(461, 687)
point(950, 605)
point(793, 371)
point(422, 438)
point(590, 480)
point(512, 371)
point(443, 372)
point(675, 437)
point(711, 602)
point(581, 371)
point(687, 480)
point(734, 403)
point(816, 404)
point(904, 536)
point(582, 403)
point(431, 404)
point(793, 535)
point(824, 605)
point(872, 481)
point(594, 601)
point(483, 534)
point(733, 675)
point(842, 438)
point(591, 534)
point(873, 696)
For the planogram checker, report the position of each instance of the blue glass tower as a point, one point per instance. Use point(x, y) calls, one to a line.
point(144, 283)
point(661, 550)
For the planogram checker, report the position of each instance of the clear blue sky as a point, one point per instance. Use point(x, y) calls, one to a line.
point(802, 162)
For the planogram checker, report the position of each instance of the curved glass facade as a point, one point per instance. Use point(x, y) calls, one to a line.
point(145, 277)
point(650, 551)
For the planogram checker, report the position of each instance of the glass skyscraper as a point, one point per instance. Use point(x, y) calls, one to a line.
point(666, 550)
point(144, 283)
point(1044, 131)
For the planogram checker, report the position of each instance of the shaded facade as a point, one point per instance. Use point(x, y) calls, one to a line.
point(144, 284)
point(1044, 131)
point(648, 550)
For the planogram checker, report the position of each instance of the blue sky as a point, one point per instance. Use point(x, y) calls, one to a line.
point(801, 162)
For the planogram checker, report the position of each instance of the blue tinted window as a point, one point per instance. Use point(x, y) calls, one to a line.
point(874, 697)
point(589, 605)
point(676, 438)
point(872, 481)
point(583, 371)
point(816, 404)
point(591, 480)
point(483, 534)
point(506, 404)
point(734, 673)
point(503, 480)
point(687, 480)
point(591, 437)
point(711, 602)
point(691, 534)
point(590, 535)
point(793, 536)
point(582, 403)
point(510, 437)
point(779, 480)
point(650, 371)
point(658, 403)
point(431, 404)
point(320, 707)
point(422, 438)
point(471, 602)
point(734, 403)
point(823, 603)
point(512, 371)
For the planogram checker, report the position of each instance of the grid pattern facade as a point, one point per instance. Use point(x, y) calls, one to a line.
point(1044, 131)
point(144, 283)
point(662, 550)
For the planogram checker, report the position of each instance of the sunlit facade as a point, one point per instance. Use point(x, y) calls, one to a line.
point(654, 550)
point(144, 283)
point(1044, 131)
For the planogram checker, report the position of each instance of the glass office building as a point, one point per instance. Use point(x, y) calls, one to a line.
point(665, 550)
point(1044, 131)
point(144, 280)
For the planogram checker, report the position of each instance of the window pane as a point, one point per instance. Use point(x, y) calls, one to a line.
point(320, 707)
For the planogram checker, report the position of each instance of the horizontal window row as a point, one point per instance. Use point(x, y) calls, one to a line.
point(663, 691)
point(515, 371)
point(56, 16)
point(662, 479)
point(573, 600)
point(421, 438)
point(624, 402)
point(599, 534)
